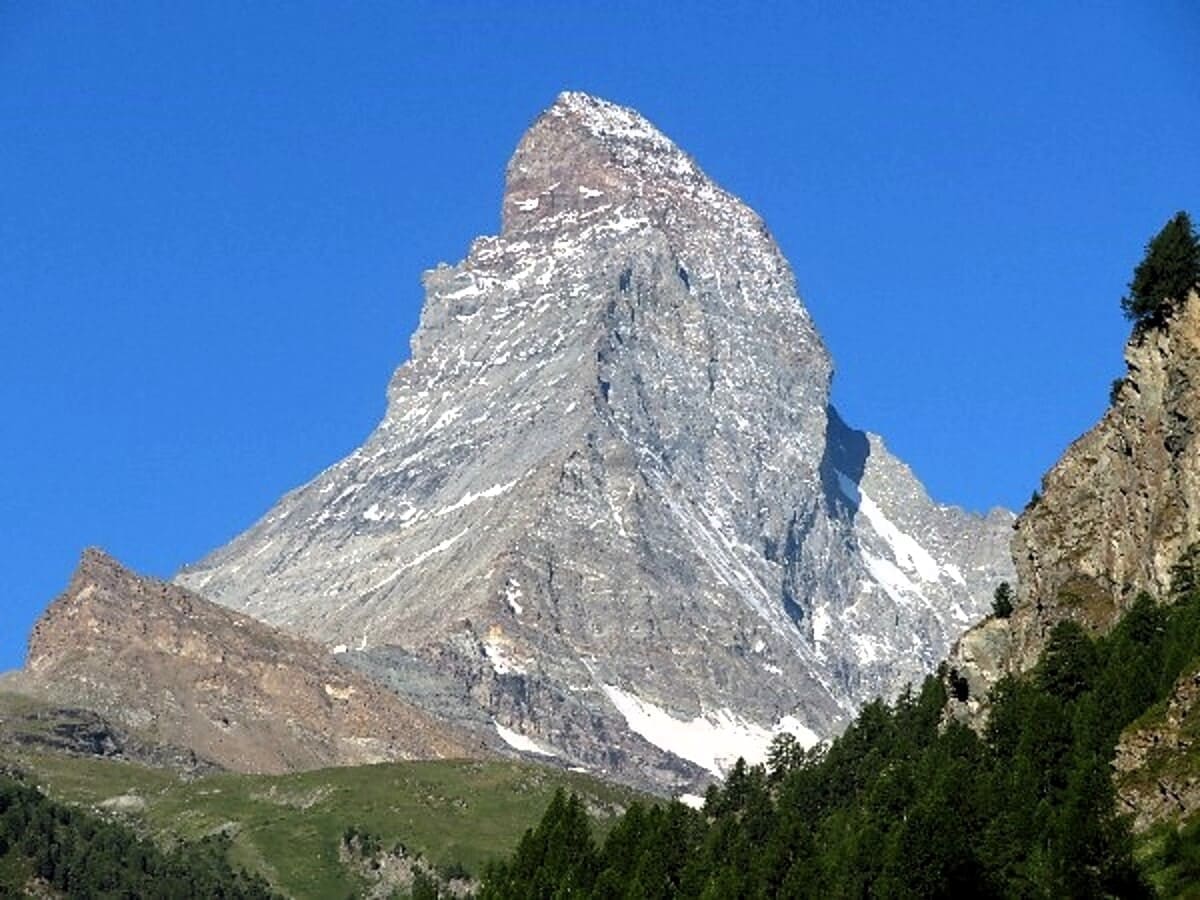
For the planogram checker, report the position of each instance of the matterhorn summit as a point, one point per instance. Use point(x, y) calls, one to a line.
point(609, 515)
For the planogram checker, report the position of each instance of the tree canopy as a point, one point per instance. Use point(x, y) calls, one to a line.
point(75, 854)
point(1170, 268)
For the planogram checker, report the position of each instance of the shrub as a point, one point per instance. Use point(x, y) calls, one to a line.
point(1002, 601)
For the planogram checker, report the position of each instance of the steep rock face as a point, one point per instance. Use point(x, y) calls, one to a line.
point(1114, 515)
point(187, 673)
point(27, 724)
point(1121, 506)
point(609, 495)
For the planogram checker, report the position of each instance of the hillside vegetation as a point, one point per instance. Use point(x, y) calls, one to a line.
point(49, 848)
point(334, 832)
point(907, 804)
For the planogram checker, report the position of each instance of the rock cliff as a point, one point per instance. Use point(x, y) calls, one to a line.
point(1121, 506)
point(1113, 516)
point(610, 504)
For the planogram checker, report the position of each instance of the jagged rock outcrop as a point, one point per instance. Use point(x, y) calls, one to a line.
point(180, 671)
point(1113, 516)
point(29, 725)
point(609, 500)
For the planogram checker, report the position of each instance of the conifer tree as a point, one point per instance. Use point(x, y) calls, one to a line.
point(1002, 601)
point(1163, 278)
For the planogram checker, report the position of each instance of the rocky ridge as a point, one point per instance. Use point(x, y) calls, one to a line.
point(178, 671)
point(609, 507)
point(1113, 516)
point(29, 725)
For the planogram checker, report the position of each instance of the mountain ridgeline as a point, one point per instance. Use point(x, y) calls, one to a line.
point(610, 514)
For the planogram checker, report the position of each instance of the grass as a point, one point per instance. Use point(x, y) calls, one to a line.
point(289, 827)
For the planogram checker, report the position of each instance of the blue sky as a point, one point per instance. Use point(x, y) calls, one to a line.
point(214, 216)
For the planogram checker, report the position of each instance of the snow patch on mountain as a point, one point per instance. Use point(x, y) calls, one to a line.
point(610, 457)
point(521, 742)
point(714, 741)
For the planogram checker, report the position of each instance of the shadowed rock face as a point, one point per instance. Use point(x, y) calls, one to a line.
point(29, 724)
point(183, 672)
point(609, 504)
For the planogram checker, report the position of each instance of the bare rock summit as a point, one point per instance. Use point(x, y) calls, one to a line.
point(610, 513)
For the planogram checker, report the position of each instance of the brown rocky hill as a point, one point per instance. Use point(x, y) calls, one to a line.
point(1113, 516)
point(181, 671)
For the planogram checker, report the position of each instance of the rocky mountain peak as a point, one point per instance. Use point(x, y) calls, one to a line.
point(585, 156)
point(590, 170)
point(610, 500)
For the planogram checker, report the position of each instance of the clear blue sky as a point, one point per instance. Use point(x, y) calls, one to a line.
point(214, 216)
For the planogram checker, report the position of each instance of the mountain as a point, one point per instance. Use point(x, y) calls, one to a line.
point(185, 673)
point(610, 510)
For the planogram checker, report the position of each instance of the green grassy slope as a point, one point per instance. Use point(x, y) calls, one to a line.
point(289, 828)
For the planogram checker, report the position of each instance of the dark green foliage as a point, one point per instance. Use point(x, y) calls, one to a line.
point(555, 859)
point(1002, 601)
point(361, 843)
point(452, 871)
point(904, 804)
point(1068, 664)
point(1176, 863)
point(83, 856)
point(1185, 574)
point(1114, 390)
point(1170, 268)
point(960, 688)
point(784, 754)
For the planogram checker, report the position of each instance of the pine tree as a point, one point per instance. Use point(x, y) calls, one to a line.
point(1163, 278)
point(1002, 601)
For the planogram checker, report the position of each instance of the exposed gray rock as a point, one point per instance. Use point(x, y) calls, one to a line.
point(26, 724)
point(609, 496)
